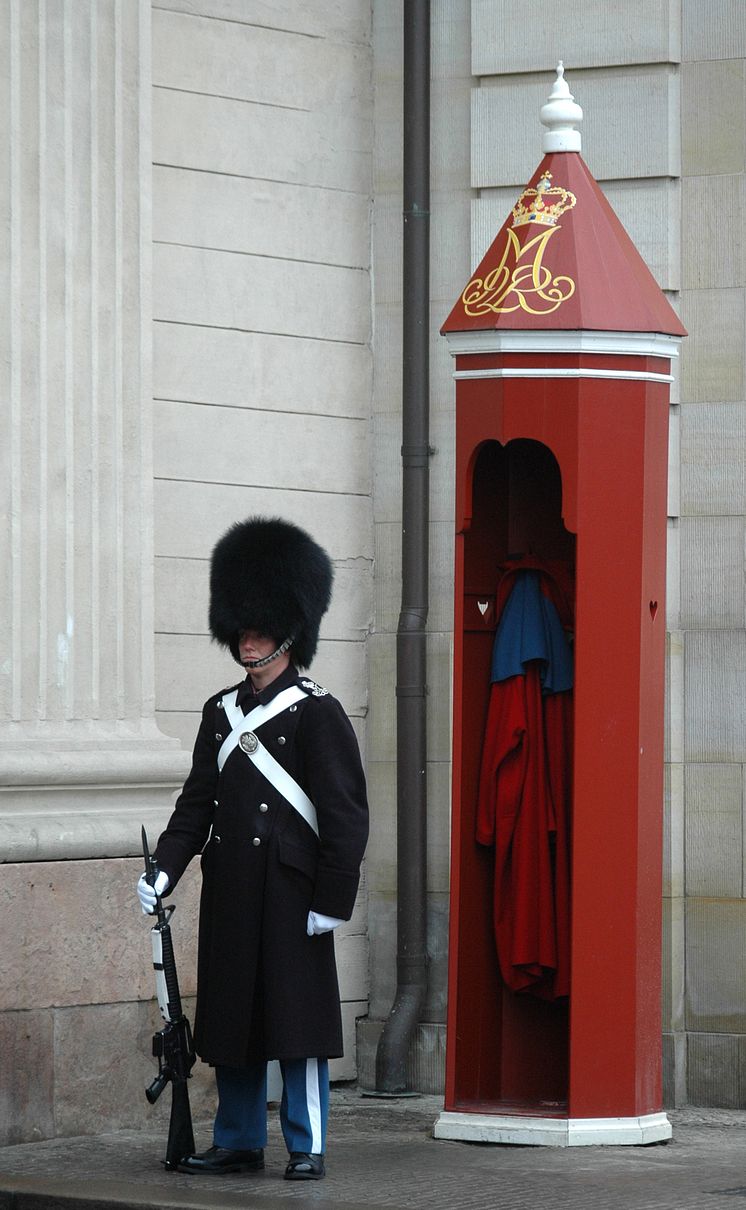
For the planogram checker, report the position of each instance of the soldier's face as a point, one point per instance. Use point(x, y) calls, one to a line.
point(253, 645)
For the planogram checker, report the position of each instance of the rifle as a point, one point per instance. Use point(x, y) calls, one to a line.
point(172, 1046)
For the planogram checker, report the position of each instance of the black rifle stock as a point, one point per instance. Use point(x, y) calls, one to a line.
point(172, 1046)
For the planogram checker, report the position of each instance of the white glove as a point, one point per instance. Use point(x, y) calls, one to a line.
point(147, 893)
point(321, 924)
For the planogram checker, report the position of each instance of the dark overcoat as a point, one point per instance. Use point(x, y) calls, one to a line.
point(265, 989)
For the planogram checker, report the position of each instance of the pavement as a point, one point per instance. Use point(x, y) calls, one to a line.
point(381, 1154)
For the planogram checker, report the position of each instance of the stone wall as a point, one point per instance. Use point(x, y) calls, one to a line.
point(185, 255)
point(707, 1012)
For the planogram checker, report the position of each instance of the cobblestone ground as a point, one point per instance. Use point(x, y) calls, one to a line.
point(381, 1154)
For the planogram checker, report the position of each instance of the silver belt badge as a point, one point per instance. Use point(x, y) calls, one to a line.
point(248, 742)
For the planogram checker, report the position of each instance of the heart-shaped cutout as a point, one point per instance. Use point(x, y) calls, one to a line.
point(653, 609)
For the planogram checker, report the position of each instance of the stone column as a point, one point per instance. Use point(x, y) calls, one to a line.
point(82, 762)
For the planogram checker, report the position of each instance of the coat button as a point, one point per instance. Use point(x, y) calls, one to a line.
point(293, 709)
point(218, 735)
point(215, 802)
point(263, 808)
point(216, 839)
point(256, 841)
point(281, 739)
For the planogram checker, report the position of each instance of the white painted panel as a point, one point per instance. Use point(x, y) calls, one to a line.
point(713, 101)
point(713, 573)
point(268, 218)
point(450, 39)
point(190, 668)
point(250, 369)
point(647, 209)
point(190, 517)
point(213, 134)
point(713, 459)
point(585, 33)
point(345, 19)
point(712, 258)
point(714, 807)
point(182, 598)
point(236, 445)
point(256, 63)
point(714, 30)
point(715, 703)
point(712, 358)
point(715, 983)
point(507, 133)
point(252, 293)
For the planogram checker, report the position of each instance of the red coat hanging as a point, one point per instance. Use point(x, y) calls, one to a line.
point(525, 780)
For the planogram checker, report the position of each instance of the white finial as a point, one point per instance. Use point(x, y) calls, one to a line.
point(561, 116)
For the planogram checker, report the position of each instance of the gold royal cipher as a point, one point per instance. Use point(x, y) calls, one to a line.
point(521, 279)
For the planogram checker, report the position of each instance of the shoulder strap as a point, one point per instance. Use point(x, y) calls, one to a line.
point(263, 760)
point(241, 722)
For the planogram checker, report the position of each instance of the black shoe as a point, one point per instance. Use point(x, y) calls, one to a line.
point(304, 1166)
point(221, 1159)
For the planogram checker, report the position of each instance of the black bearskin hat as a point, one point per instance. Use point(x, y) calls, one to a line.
point(269, 575)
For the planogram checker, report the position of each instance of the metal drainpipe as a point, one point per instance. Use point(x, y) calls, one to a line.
point(411, 686)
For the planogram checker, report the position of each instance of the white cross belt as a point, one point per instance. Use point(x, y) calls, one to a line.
point(243, 735)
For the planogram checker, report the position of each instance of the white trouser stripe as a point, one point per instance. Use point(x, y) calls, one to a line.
point(313, 1100)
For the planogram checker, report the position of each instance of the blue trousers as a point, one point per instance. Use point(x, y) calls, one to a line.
point(241, 1119)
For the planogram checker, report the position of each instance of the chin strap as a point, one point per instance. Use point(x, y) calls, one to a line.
point(268, 658)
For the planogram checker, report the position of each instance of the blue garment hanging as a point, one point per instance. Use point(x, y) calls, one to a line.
point(530, 629)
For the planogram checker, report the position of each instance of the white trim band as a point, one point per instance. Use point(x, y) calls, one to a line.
point(630, 344)
point(553, 1132)
point(563, 372)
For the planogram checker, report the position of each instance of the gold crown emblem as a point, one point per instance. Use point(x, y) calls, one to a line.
point(543, 205)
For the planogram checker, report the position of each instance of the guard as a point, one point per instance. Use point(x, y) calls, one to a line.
point(276, 804)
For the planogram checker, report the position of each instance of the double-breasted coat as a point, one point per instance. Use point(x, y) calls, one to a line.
point(265, 989)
